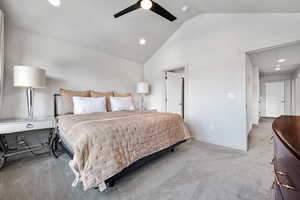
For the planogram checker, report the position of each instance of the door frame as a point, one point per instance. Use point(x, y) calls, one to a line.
point(281, 81)
point(186, 91)
point(258, 46)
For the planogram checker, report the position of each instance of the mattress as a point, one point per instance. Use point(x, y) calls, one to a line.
point(105, 143)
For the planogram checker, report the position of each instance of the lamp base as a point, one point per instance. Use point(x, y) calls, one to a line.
point(29, 95)
point(142, 102)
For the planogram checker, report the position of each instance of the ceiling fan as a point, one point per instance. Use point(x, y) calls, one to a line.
point(148, 5)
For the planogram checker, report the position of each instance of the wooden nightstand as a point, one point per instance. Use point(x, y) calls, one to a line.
point(9, 126)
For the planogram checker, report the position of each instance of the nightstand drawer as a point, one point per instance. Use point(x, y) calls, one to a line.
point(24, 126)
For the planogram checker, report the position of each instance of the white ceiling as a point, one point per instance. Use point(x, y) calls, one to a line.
point(266, 60)
point(90, 23)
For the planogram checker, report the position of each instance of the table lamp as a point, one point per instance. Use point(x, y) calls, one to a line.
point(29, 78)
point(142, 89)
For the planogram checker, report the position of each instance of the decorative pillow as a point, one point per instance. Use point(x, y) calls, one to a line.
point(104, 94)
point(67, 101)
point(85, 105)
point(122, 95)
point(121, 103)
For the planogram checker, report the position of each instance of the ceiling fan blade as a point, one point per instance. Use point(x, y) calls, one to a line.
point(129, 9)
point(162, 12)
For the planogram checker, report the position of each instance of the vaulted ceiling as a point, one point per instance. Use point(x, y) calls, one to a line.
point(90, 23)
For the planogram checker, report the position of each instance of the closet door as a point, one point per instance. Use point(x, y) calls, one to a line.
point(275, 99)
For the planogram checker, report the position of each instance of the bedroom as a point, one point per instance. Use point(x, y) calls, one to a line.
point(81, 46)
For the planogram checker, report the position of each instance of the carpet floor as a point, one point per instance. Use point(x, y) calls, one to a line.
point(195, 171)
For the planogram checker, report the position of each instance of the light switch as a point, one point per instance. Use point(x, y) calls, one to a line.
point(212, 128)
point(231, 95)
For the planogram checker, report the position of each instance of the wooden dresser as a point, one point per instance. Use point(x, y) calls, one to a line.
point(287, 157)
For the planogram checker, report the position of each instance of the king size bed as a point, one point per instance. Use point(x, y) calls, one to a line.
point(104, 146)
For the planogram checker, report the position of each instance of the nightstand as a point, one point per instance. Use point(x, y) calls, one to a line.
point(9, 126)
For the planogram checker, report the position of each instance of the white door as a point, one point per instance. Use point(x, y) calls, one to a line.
point(174, 93)
point(274, 99)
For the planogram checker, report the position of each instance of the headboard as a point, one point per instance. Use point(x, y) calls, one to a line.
point(58, 104)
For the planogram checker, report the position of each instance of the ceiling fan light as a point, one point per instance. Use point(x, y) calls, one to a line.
point(55, 3)
point(146, 4)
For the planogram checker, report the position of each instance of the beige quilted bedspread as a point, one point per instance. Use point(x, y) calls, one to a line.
point(105, 143)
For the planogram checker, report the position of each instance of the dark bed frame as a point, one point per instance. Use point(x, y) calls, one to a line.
point(57, 141)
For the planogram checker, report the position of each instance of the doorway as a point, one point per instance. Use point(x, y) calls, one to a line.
point(175, 91)
point(275, 101)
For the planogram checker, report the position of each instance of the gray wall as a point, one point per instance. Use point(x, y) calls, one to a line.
point(214, 46)
point(67, 65)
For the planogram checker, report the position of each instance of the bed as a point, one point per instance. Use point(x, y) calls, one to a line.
point(105, 146)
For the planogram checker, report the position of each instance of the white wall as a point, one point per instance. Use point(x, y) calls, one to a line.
point(297, 102)
point(255, 102)
point(214, 46)
point(295, 83)
point(287, 91)
point(252, 94)
point(68, 66)
point(249, 93)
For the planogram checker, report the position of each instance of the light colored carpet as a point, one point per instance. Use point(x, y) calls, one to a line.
point(195, 171)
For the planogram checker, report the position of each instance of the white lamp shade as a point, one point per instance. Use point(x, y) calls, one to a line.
point(29, 77)
point(142, 88)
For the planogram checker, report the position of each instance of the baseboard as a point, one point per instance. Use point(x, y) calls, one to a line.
point(235, 147)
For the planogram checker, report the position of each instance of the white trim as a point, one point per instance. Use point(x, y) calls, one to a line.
point(270, 44)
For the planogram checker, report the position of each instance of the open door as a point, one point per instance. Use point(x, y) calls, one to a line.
point(175, 93)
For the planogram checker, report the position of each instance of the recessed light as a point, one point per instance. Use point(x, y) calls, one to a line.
point(142, 41)
point(55, 3)
point(146, 4)
point(184, 8)
point(277, 69)
point(278, 66)
point(281, 60)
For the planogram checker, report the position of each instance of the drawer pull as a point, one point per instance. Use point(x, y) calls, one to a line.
point(29, 126)
point(281, 184)
point(280, 173)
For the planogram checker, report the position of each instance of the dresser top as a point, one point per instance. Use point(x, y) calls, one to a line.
point(287, 128)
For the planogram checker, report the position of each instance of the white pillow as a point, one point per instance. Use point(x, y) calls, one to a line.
point(85, 105)
point(121, 103)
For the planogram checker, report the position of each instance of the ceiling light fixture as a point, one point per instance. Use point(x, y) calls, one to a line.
point(142, 41)
point(146, 4)
point(184, 8)
point(281, 60)
point(277, 69)
point(55, 3)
